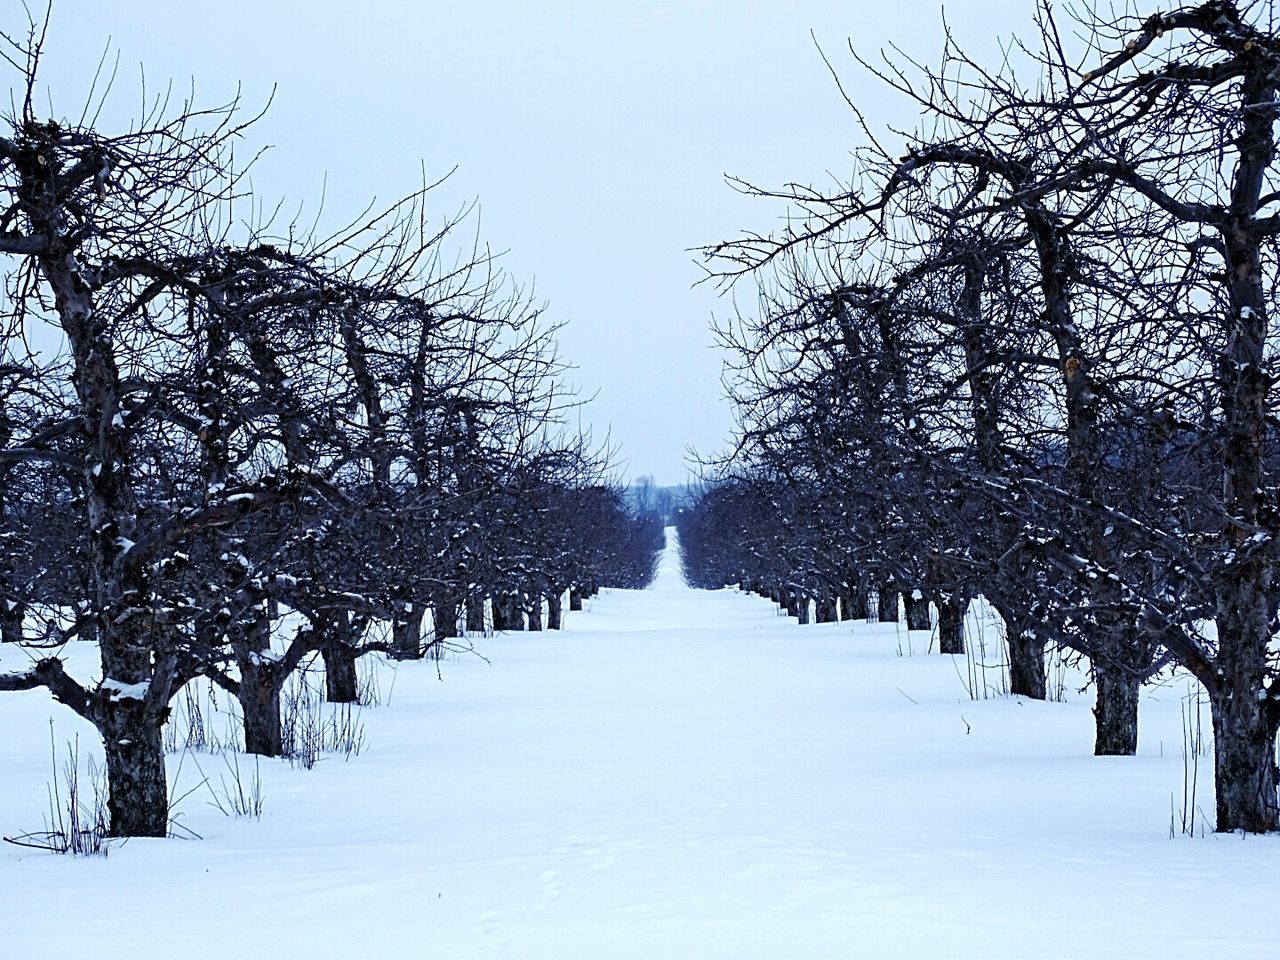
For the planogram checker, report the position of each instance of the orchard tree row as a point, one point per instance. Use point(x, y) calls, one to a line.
point(1024, 353)
point(227, 448)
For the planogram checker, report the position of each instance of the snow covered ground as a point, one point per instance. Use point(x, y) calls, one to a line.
point(678, 774)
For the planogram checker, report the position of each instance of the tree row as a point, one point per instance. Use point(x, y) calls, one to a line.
point(226, 448)
point(1023, 352)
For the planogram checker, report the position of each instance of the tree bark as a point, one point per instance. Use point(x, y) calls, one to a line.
point(475, 613)
point(555, 611)
point(340, 681)
point(1026, 665)
point(514, 614)
point(1115, 711)
point(575, 598)
point(951, 625)
point(1244, 764)
point(260, 702)
point(444, 620)
point(844, 604)
point(917, 607)
point(134, 746)
point(406, 634)
point(535, 612)
point(887, 602)
point(444, 625)
point(12, 613)
point(862, 601)
point(825, 608)
point(500, 613)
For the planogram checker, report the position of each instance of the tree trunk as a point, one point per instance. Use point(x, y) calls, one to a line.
point(917, 606)
point(849, 605)
point(791, 601)
point(535, 612)
point(1243, 697)
point(887, 602)
point(444, 618)
point(12, 613)
point(139, 794)
point(499, 607)
point(260, 703)
point(1115, 712)
point(802, 606)
point(1245, 708)
point(514, 614)
point(555, 611)
point(861, 601)
point(475, 613)
point(406, 634)
point(444, 622)
point(340, 672)
point(575, 598)
point(1244, 764)
point(951, 625)
point(1026, 665)
point(825, 609)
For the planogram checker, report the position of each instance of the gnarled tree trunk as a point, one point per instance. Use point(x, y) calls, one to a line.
point(917, 607)
point(501, 616)
point(262, 676)
point(475, 613)
point(406, 633)
point(791, 602)
point(1026, 665)
point(825, 609)
point(259, 697)
point(1115, 711)
point(853, 606)
point(887, 602)
point(951, 613)
point(444, 623)
point(444, 618)
point(1244, 763)
point(12, 613)
point(138, 800)
point(339, 654)
point(802, 606)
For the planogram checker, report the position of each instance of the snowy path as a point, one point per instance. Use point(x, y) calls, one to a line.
point(678, 774)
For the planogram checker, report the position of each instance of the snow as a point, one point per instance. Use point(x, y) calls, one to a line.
point(677, 774)
point(119, 690)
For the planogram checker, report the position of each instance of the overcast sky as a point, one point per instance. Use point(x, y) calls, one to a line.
point(594, 135)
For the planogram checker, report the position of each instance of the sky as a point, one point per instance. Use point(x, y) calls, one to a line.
point(595, 138)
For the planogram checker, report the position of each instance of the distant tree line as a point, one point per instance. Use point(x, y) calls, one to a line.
point(258, 445)
point(1027, 356)
point(648, 497)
